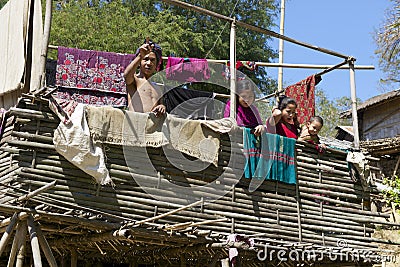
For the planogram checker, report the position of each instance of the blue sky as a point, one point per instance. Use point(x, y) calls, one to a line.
point(344, 26)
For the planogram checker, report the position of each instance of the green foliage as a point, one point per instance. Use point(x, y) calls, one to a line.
point(392, 194)
point(329, 110)
point(388, 42)
point(122, 27)
point(3, 3)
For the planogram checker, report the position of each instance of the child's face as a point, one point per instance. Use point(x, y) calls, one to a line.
point(314, 127)
point(148, 64)
point(289, 113)
point(246, 98)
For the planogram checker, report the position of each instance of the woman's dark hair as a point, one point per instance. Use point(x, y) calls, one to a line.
point(284, 100)
point(317, 119)
point(244, 85)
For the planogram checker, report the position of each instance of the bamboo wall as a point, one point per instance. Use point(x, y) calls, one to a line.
point(78, 217)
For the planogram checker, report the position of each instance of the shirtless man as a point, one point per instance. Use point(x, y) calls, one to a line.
point(142, 95)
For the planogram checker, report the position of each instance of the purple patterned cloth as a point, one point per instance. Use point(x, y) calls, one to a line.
point(95, 70)
point(91, 77)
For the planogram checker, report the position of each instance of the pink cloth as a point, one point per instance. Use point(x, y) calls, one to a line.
point(187, 69)
point(246, 116)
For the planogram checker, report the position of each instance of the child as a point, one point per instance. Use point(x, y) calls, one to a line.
point(142, 96)
point(309, 132)
point(283, 120)
point(247, 114)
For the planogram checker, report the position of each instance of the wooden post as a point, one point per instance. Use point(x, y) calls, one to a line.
point(45, 41)
point(7, 234)
point(298, 200)
point(37, 260)
point(46, 248)
point(232, 70)
point(74, 258)
point(225, 262)
point(20, 235)
point(21, 245)
point(182, 260)
point(354, 105)
point(396, 167)
point(281, 31)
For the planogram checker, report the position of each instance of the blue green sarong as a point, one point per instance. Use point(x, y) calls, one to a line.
point(269, 157)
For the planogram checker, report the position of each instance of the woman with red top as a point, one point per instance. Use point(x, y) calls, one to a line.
point(283, 120)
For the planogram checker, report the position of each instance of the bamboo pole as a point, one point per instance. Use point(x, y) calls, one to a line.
point(253, 28)
point(232, 60)
point(35, 145)
point(278, 65)
point(22, 245)
point(7, 234)
point(7, 221)
point(20, 232)
point(74, 258)
point(45, 42)
point(61, 218)
point(33, 114)
point(37, 191)
point(281, 45)
point(37, 260)
point(354, 105)
point(46, 248)
point(33, 137)
point(166, 214)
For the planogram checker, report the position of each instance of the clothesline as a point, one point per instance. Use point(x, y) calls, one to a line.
point(121, 57)
point(284, 65)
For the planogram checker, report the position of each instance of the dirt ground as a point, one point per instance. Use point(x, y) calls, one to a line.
point(394, 236)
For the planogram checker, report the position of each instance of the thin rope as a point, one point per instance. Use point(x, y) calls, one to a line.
point(220, 33)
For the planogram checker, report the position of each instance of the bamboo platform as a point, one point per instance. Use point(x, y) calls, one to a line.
point(74, 220)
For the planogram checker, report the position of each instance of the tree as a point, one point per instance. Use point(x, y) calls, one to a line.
point(3, 3)
point(329, 110)
point(388, 42)
point(121, 26)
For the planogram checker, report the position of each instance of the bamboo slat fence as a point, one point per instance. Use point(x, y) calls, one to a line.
point(77, 220)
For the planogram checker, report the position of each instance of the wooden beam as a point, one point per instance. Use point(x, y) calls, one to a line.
point(37, 260)
point(7, 234)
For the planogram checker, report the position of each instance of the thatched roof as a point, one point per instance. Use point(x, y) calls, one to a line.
point(379, 99)
point(382, 146)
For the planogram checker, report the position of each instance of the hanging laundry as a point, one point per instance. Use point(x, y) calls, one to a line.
point(51, 68)
point(187, 69)
point(91, 97)
point(90, 77)
point(241, 66)
point(269, 157)
point(189, 104)
point(304, 94)
point(95, 70)
point(246, 242)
